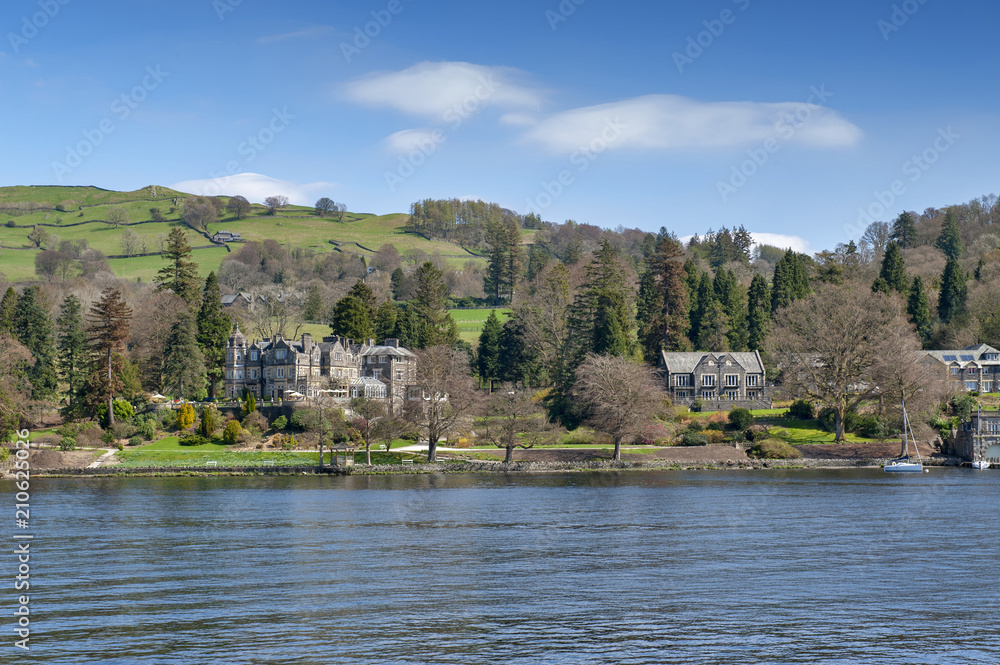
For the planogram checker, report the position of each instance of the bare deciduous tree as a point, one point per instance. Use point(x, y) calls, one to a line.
point(117, 216)
point(448, 394)
point(621, 396)
point(275, 202)
point(845, 345)
point(273, 311)
point(129, 241)
point(512, 420)
point(199, 212)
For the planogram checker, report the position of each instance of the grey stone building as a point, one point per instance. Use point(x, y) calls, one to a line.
point(978, 438)
point(721, 381)
point(974, 368)
point(273, 368)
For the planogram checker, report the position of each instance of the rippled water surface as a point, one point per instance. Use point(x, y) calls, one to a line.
point(669, 567)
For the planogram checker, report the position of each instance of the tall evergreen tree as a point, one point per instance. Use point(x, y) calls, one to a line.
point(385, 321)
point(366, 296)
point(715, 328)
point(313, 308)
point(8, 307)
point(108, 327)
point(350, 317)
point(180, 275)
point(396, 279)
point(894, 269)
point(214, 326)
point(183, 361)
point(950, 241)
point(954, 290)
point(488, 353)
point(33, 328)
point(904, 230)
point(71, 354)
point(665, 297)
point(758, 313)
point(730, 295)
point(706, 298)
point(919, 310)
point(606, 305)
point(430, 306)
point(791, 280)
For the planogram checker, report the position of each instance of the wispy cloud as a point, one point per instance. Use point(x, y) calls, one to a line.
point(409, 140)
point(256, 187)
point(672, 122)
point(431, 89)
point(783, 241)
point(312, 31)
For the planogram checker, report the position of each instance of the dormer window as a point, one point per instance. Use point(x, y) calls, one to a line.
point(253, 355)
point(280, 354)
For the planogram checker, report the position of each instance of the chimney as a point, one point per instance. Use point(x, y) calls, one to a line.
point(307, 342)
point(391, 341)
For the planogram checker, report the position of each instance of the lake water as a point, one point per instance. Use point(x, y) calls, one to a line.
point(852, 566)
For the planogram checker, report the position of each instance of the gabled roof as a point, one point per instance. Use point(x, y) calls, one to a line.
point(962, 357)
point(389, 351)
point(685, 362)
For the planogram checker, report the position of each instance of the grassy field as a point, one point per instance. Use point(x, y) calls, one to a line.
point(471, 321)
point(85, 212)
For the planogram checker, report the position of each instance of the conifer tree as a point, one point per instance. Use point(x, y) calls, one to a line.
point(706, 297)
point(436, 326)
point(782, 287)
point(366, 296)
point(730, 295)
point(396, 279)
point(918, 309)
point(180, 275)
point(385, 321)
point(313, 308)
point(488, 353)
point(758, 313)
point(894, 269)
point(351, 318)
point(715, 328)
point(950, 242)
point(669, 321)
point(8, 306)
point(33, 328)
point(108, 327)
point(214, 326)
point(904, 230)
point(71, 355)
point(183, 361)
point(951, 299)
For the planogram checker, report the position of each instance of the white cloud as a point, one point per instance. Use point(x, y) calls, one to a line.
point(312, 31)
point(798, 244)
point(433, 89)
point(256, 187)
point(408, 140)
point(671, 122)
point(780, 240)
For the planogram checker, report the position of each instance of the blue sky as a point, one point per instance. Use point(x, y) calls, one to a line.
point(796, 119)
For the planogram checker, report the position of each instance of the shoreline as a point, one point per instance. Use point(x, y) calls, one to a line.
point(479, 467)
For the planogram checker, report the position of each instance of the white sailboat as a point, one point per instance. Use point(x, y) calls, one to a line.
point(977, 460)
point(903, 463)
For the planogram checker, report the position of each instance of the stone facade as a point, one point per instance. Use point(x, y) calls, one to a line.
point(273, 368)
point(979, 438)
point(730, 379)
point(972, 368)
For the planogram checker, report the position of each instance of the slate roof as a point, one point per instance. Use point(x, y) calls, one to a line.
point(680, 362)
point(962, 357)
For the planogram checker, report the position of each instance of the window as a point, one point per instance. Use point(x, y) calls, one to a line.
point(382, 359)
point(971, 385)
point(399, 375)
point(377, 373)
point(253, 374)
point(708, 380)
point(972, 370)
point(683, 380)
point(682, 393)
point(732, 394)
point(238, 356)
point(338, 356)
point(732, 380)
point(987, 386)
point(954, 370)
point(239, 374)
point(751, 379)
point(281, 372)
point(253, 355)
point(279, 354)
point(339, 373)
point(708, 394)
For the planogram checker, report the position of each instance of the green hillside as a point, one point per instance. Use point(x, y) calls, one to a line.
point(81, 213)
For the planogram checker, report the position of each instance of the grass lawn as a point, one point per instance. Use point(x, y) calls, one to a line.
point(471, 321)
point(804, 431)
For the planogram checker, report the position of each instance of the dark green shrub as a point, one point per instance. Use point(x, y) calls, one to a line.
point(193, 440)
point(412, 435)
point(697, 406)
point(135, 441)
point(774, 449)
point(694, 439)
point(148, 428)
point(801, 410)
point(280, 423)
point(108, 437)
point(67, 443)
point(741, 418)
point(718, 427)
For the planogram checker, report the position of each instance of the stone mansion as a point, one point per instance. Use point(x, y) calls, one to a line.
point(276, 368)
point(723, 380)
